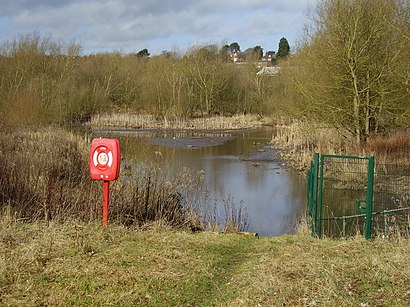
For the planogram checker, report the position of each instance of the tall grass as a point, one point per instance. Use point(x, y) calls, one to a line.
point(147, 121)
point(300, 140)
point(393, 148)
point(45, 175)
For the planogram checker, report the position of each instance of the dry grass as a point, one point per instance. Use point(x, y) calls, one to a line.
point(45, 174)
point(394, 148)
point(307, 272)
point(81, 264)
point(144, 121)
point(300, 140)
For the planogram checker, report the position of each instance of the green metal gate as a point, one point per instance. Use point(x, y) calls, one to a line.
point(340, 195)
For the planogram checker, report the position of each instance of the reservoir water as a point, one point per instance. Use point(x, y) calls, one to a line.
point(238, 167)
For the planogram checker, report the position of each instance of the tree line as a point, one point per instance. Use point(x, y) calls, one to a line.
point(44, 81)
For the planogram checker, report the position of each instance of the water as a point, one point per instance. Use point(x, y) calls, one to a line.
point(240, 167)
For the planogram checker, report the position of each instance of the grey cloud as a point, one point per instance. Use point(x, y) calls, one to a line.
point(129, 24)
point(157, 6)
point(15, 6)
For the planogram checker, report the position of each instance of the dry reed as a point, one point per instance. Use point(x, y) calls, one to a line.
point(145, 121)
point(300, 140)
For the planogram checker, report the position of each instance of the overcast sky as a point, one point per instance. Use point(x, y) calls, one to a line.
point(132, 25)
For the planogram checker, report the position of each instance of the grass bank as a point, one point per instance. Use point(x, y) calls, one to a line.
point(81, 264)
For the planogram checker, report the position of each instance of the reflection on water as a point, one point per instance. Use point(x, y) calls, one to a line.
point(237, 166)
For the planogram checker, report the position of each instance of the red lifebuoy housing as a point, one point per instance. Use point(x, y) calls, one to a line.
point(105, 159)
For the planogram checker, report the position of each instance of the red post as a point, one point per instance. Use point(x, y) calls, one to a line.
point(105, 166)
point(106, 200)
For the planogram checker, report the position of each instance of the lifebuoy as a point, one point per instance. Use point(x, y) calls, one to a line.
point(102, 157)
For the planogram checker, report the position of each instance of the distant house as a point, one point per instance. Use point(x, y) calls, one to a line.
point(235, 56)
point(270, 58)
point(251, 54)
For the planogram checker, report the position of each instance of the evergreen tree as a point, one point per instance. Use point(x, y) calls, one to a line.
point(284, 48)
point(143, 53)
point(235, 47)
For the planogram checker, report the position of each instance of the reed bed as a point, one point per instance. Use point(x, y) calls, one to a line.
point(299, 140)
point(146, 121)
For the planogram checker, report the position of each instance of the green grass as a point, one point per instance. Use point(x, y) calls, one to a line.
point(73, 264)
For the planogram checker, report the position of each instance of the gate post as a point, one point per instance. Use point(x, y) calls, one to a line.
point(314, 193)
point(319, 213)
point(369, 205)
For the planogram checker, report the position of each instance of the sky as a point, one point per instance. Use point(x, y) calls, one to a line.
point(157, 25)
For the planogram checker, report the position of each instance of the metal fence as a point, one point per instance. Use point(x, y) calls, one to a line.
point(351, 195)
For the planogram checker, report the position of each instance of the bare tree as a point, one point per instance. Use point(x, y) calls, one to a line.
point(348, 70)
point(205, 70)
